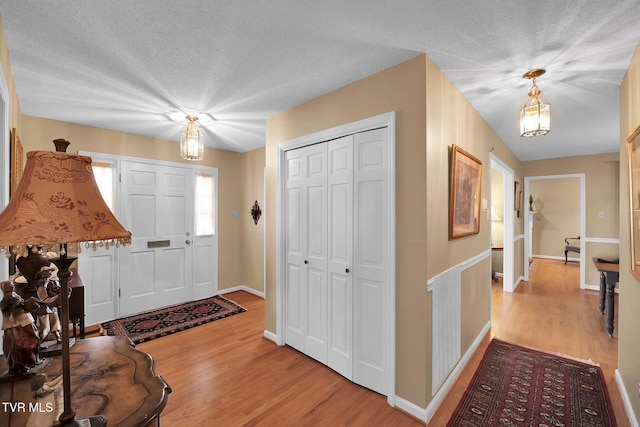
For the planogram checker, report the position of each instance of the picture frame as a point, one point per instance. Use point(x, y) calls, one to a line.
point(17, 161)
point(464, 193)
point(633, 156)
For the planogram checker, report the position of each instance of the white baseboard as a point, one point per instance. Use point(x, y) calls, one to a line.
point(410, 408)
point(241, 288)
point(627, 402)
point(517, 283)
point(442, 392)
point(269, 335)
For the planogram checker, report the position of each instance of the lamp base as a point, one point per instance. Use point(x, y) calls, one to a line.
point(93, 421)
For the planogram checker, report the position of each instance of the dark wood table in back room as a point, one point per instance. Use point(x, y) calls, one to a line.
point(609, 274)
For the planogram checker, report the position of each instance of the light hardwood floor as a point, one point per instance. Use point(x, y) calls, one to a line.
point(226, 373)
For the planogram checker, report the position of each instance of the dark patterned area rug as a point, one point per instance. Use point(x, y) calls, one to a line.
point(158, 323)
point(517, 386)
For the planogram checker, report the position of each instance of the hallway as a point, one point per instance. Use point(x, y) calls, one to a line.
point(550, 313)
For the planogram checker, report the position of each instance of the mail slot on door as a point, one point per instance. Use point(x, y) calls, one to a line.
point(158, 244)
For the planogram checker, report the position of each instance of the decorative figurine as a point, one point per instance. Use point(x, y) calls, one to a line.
point(20, 342)
point(530, 202)
point(49, 300)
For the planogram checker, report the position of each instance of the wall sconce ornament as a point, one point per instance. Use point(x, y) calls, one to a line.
point(255, 212)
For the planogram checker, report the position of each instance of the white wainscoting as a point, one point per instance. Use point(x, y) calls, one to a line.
point(446, 320)
point(446, 327)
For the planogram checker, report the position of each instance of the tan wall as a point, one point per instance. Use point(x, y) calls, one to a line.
point(38, 133)
point(452, 120)
point(557, 203)
point(628, 319)
point(252, 262)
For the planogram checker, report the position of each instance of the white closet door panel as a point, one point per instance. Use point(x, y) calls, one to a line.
point(370, 352)
point(316, 341)
point(296, 307)
point(316, 252)
point(371, 248)
point(316, 210)
point(370, 259)
point(340, 232)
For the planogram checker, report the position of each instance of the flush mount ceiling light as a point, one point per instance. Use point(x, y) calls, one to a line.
point(191, 144)
point(535, 116)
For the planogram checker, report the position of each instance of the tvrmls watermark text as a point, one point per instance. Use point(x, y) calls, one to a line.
point(28, 406)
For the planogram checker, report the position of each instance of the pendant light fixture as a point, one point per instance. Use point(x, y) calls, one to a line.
point(535, 116)
point(191, 144)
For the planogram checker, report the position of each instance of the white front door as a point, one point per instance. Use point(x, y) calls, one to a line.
point(156, 269)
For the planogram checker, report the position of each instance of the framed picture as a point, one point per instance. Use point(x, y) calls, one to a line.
point(464, 194)
point(17, 160)
point(633, 153)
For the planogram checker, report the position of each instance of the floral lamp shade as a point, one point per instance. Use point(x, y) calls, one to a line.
point(57, 202)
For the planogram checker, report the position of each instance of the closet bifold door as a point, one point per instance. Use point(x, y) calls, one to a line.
point(340, 233)
point(371, 259)
point(337, 259)
point(306, 248)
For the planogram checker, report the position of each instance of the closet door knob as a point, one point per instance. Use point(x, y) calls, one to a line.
point(306, 262)
point(346, 270)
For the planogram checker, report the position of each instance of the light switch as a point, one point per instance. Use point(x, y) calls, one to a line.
point(601, 215)
point(235, 214)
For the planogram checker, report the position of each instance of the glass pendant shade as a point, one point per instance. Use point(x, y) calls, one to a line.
point(535, 116)
point(191, 143)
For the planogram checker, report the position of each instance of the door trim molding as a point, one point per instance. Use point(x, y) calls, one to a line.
point(5, 170)
point(383, 120)
point(583, 219)
point(509, 283)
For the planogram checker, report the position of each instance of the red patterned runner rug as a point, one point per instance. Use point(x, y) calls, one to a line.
point(517, 386)
point(157, 323)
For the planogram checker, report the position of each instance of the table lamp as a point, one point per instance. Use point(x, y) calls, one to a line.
point(57, 204)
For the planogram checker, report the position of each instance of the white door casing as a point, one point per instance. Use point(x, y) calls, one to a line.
point(337, 303)
point(100, 269)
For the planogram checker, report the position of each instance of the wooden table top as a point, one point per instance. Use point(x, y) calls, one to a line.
point(109, 377)
point(606, 266)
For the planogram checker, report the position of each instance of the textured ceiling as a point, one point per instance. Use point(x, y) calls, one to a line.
point(141, 66)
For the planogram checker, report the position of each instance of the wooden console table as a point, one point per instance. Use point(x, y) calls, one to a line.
point(609, 275)
point(109, 377)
